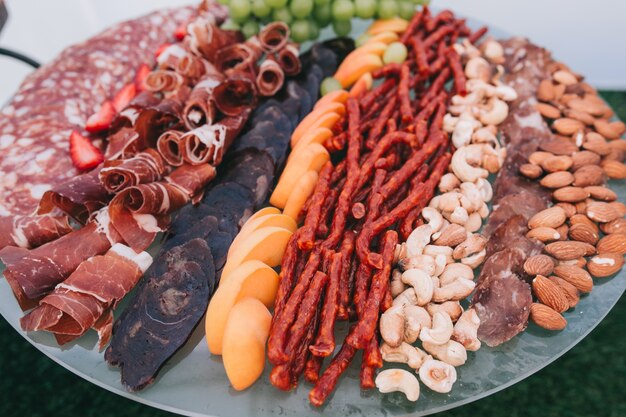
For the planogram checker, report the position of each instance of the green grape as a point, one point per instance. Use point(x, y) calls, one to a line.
point(276, 4)
point(224, 2)
point(229, 24)
point(329, 84)
point(321, 2)
point(322, 14)
point(362, 39)
point(365, 9)
point(395, 52)
point(314, 30)
point(343, 10)
point(342, 27)
point(250, 28)
point(301, 8)
point(260, 8)
point(387, 9)
point(407, 9)
point(239, 10)
point(300, 31)
point(282, 15)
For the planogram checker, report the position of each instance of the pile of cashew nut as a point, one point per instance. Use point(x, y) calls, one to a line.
point(434, 268)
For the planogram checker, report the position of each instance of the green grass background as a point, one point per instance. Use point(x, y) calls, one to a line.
point(590, 380)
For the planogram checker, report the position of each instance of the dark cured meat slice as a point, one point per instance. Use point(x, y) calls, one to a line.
point(173, 304)
point(32, 231)
point(235, 94)
point(523, 203)
point(258, 177)
point(33, 273)
point(78, 197)
point(226, 204)
point(512, 234)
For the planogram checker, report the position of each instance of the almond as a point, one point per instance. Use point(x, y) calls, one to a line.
point(582, 218)
point(616, 226)
point(583, 233)
point(580, 262)
point(583, 158)
point(551, 217)
point(569, 209)
point(596, 143)
point(556, 163)
point(559, 145)
point(615, 242)
point(576, 276)
point(563, 231)
point(531, 171)
point(549, 294)
point(559, 90)
point(545, 92)
point(566, 126)
point(579, 115)
point(557, 179)
point(605, 264)
point(587, 106)
point(618, 144)
point(451, 235)
point(570, 194)
point(581, 207)
point(565, 251)
point(537, 157)
point(619, 206)
point(543, 234)
point(610, 130)
point(614, 169)
point(564, 77)
point(546, 317)
point(548, 111)
point(570, 292)
point(539, 265)
point(601, 212)
point(616, 155)
point(601, 193)
point(589, 175)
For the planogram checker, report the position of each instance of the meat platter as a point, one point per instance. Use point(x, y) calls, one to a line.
point(482, 206)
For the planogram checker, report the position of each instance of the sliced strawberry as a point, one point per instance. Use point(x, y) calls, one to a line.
point(180, 32)
point(124, 97)
point(84, 155)
point(141, 75)
point(101, 120)
point(161, 48)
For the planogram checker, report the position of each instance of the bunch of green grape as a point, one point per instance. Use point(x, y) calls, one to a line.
point(306, 17)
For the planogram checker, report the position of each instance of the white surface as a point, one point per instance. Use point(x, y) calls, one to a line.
point(588, 36)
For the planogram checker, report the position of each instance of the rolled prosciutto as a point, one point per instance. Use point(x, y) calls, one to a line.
point(79, 197)
point(270, 78)
point(236, 58)
point(33, 273)
point(145, 167)
point(166, 82)
point(86, 299)
point(200, 107)
point(205, 38)
point(289, 59)
point(169, 146)
point(235, 94)
point(32, 231)
point(274, 37)
point(123, 144)
point(193, 179)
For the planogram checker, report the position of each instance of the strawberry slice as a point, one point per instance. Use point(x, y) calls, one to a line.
point(180, 32)
point(101, 120)
point(140, 77)
point(161, 48)
point(84, 155)
point(124, 97)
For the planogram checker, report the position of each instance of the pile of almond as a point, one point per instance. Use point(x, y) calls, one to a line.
point(585, 231)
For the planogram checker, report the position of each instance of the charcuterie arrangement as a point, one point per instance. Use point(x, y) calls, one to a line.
point(390, 205)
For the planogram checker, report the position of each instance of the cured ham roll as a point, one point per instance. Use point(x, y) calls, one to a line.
point(123, 144)
point(208, 143)
point(32, 231)
point(79, 197)
point(236, 94)
point(288, 58)
point(237, 58)
point(164, 81)
point(270, 78)
point(274, 37)
point(86, 299)
point(193, 179)
point(145, 167)
point(200, 107)
point(206, 39)
point(169, 146)
point(33, 273)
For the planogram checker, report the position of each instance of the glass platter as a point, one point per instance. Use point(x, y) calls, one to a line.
point(194, 383)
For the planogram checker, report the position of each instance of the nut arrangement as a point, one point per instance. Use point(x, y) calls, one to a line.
point(584, 231)
point(434, 268)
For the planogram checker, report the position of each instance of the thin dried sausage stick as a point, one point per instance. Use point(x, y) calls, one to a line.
point(328, 380)
point(454, 60)
point(325, 341)
point(307, 231)
point(347, 250)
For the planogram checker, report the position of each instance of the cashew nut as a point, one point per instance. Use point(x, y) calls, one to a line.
point(408, 297)
point(485, 135)
point(441, 329)
point(398, 380)
point(441, 261)
point(415, 318)
point(485, 189)
point(405, 353)
point(399, 253)
point(450, 200)
point(472, 245)
point(451, 308)
point(433, 218)
point(459, 216)
point(448, 182)
point(506, 93)
point(475, 260)
point(454, 271)
point(449, 122)
point(466, 330)
point(464, 157)
point(495, 112)
point(392, 325)
point(474, 222)
point(444, 224)
point(421, 283)
point(473, 194)
point(434, 250)
point(396, 285)
point(437, 375)
point(424, 262)
point(434, 202)
point(418, 238)
point(456, 290)
point(453, 353)
point(478, 68)
point(463, 131)
point(493, 51)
